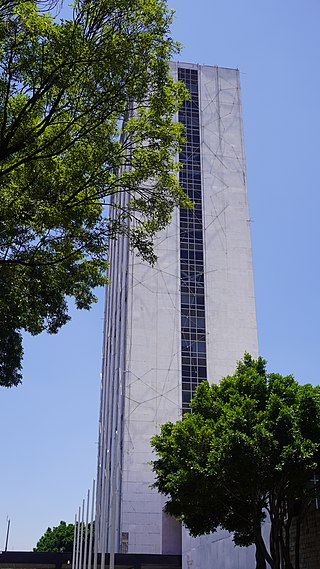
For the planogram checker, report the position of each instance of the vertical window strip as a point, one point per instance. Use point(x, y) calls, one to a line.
point(193, 328)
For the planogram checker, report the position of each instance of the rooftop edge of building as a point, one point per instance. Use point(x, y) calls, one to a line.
point(189, 65)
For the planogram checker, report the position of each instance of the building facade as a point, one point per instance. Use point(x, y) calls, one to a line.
point(168, 327)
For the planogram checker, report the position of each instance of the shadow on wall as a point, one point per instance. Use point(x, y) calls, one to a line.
point(309, 541)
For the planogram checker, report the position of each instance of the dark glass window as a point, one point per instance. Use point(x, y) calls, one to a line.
point(193, 332)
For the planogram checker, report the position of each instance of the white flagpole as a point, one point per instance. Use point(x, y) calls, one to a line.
point(78, 540)
point(7, 535)
point(81, 536)
point(113, 504)
point(115, 476)
point(104, 519)
point(97, 527)
point(86, 533)
point(91, 525)
point(74, 542)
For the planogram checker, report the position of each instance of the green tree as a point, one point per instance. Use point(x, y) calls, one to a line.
point(6, 6)
point(246, 453)
point(87, 153)
point(59, 539)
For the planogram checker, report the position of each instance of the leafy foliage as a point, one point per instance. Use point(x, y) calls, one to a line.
point(246, 452)
point(71, 176)
point(59, 539)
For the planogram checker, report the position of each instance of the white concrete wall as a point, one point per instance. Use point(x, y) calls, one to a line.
point(229, 300)
point(150, 324)
point(230, 303)
point(215, 551)
point(153, 390)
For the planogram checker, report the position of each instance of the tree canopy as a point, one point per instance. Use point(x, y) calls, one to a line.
point(87, 153)
point(245, 454)
point(60, 538)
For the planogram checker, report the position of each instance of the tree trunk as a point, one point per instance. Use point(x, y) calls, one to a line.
point(260, 558)
point(275, 543)
point(262, 554)
point(297, 544)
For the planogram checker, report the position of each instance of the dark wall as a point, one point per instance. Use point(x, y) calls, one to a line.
point(309, 542)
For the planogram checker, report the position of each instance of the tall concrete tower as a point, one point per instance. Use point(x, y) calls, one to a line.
point(167, 327)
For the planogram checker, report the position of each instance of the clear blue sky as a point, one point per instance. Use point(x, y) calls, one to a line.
point(49, 425)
